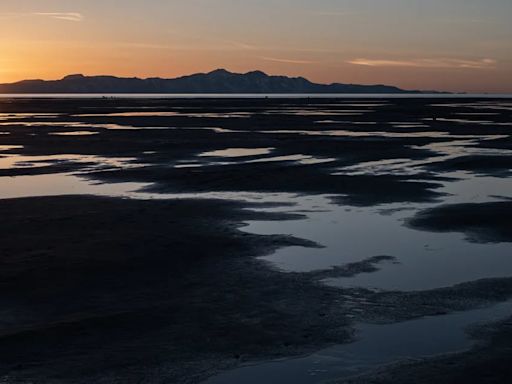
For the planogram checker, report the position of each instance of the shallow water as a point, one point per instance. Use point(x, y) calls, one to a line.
point(10, 161)
point(425, 260)
point(74, 133)
point(377, 345)
point(171, 114)
point(79, 125)
point(237, 152)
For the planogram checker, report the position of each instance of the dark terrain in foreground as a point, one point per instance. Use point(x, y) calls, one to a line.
point(111, 290)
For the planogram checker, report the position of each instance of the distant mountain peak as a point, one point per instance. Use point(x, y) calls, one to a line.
point(74, 77)
point(220, 71)
point(257, 73)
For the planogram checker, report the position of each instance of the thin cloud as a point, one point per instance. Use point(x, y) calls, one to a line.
point(427, 63)
point(220, 46)
point(241, 45)
point(68, 16)
point(287, 61)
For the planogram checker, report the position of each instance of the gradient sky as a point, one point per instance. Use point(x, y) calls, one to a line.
point(455, 45)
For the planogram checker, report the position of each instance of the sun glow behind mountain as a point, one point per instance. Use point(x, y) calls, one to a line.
point(461, 45)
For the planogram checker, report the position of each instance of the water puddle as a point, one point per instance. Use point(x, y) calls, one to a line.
point(81, 125)
point(238, 152)
point(426, 260)
point(377, 345)
point(19, 116)
point(301, 159)
point(318, 112)
point(90, 162)
point(4, 148)
point(385, 134)
point(172, 114)
point(500, 106)
point(443, 151)
point(74, 133)
point(467, 121)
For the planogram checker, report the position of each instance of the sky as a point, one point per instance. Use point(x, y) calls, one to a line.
point(450, 45)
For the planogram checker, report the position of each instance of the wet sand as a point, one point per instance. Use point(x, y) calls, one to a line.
point(98, 289)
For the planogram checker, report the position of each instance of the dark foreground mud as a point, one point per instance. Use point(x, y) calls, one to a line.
point(105, 290)
point(109, 290)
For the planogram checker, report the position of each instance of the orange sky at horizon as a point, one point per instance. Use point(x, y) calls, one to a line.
point(351, 43)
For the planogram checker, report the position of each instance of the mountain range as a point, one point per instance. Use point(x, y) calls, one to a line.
point(218, 81)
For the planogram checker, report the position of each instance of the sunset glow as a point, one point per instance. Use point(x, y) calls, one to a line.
point(458, 45)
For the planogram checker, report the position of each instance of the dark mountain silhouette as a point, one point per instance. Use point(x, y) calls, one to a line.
point(218, 81)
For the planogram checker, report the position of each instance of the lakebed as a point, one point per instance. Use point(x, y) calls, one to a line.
point(218, 240)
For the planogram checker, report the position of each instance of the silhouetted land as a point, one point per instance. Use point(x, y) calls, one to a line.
point(109, 290)
point(218, 81)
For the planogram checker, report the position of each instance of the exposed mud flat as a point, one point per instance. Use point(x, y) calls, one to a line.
point(104, 289)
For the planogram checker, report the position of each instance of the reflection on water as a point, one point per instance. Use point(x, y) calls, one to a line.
point(70, 184)
point(377, 345)
point(249, 152)
point(305, 112)
point(355, 133)
point(443, 151)
point(16, 116)
point(237, 152)
point(477, 113)
point(493, 105)
point(60, 184)
point(74, 133)
point(91, 162)
point(171, 114)
point(301, 159)
point(426, 260)
point(478, 122)
point(80, 125)
point(351, 104)
point(4, 148)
